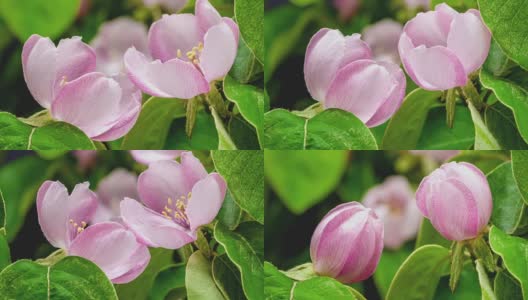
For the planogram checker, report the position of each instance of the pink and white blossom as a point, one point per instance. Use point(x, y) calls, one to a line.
point(178, 198)
point(64, 219)
point(189, 52)
point(457, 199)
point(440, 49)
point(340, 72)
point(347, 243)
point(149, 156)
point(393, 202)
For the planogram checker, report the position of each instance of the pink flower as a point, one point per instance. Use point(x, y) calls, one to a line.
point(63, 219)
point(189, 51)
point(112, 189)
point(393, 201)
point(346, 8)
point(437, 155)
point(340, 72)
point(172, 5)
point(62, 79)
point(383, 37)
point(179, 198)
point(347, 243)
point(149, 156)
point(113, 40)
point(457, 199)
point(418, 3)
point(441, 48)
point(85, 158)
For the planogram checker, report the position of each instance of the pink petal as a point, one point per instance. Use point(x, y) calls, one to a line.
point(470, 40)
point(82, 205)
point(219, 53)
point(91, 102)
point(149, 156)
point(174, 32)
point(361, 88)
point(428, 29)
point(383, 37)
point(193, 168)
point(114, 249)
point(129, 109)
point(172, 79)
point(74, 59)
point(234, 27)
point(39, 63)
point(207, 15)
point(52, 198)
point(207, 197)
point(111, 190)
point(434, 69)
point(152, 228)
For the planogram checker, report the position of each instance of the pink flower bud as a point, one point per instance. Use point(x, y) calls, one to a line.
point(189, 51)
point(393, 201)
point(346, 8)
point(339, 72)
point(347, 243)
point(383, 37)
point(457, 199)
point(85, 158)
point(441, 48)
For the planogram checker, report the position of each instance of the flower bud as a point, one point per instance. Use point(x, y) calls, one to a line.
point(346, 8)
point(457, 199)
point(440, 49)
point(347, 243)
point(393, 201)
point(383, 37)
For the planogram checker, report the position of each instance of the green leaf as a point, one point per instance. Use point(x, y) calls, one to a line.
point(485, 286)
point(511, 95)
point(244, 174)
point(199, 279)
point(291, 174)
point(170, 278)
point(19, 181)
point(330, 129)
point(250, 102)
point(520, 172)
point(276, 284)
point(506, 287)
point(322, 288)
point(497, 62)
point(250, 18)
point(358, 178)
point(204, 135)
point(427, 235)
point(2, 212)
point(138, 289)
point(467, 288)
point(508, 205)
point(5, 255)
point(436, 135)
point(71, 278)
point(245, 251)
point(224, 139)
point(48, 19)
point(419, 275)
point(152, 127)
point(246, 67)
point(16, 135)
point(227, 278)
point(514, 253)
point(501, 17)
point(484, 140)
point(388, 266)
point(500, 121)
point(230, 213)
point(243, 134)
point(405, 127)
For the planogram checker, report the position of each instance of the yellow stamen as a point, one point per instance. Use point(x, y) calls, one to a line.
point(178, 54)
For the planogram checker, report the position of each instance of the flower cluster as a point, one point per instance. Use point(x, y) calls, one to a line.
point(113, 230)
point(98, 88)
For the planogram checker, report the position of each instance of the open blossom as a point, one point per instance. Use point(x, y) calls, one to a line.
point(113, 40)
point(111, 190)
point(339, 72)
point(347, 243)
point(149, 156)
point(64, 218)
point(172, 5)
point(189, 51)
point(457, 199)
point(393, 202)
point(63, 80)
point(346, 8)
point(441, 48)
point(383, 37)
point(178, 198)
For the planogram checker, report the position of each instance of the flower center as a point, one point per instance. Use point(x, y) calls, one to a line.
point(175, 210)
point(77, 227)
point(193, 55)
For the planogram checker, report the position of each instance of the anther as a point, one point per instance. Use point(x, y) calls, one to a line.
point(178, 54)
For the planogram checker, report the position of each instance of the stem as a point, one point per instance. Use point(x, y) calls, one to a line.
point(471, 94)
point(311, 111)
point(450, 107)
point(53, 258)
point(457, 263)
point(480, 250)
point(202, 244)
point(216, 101)
point(190, 121)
